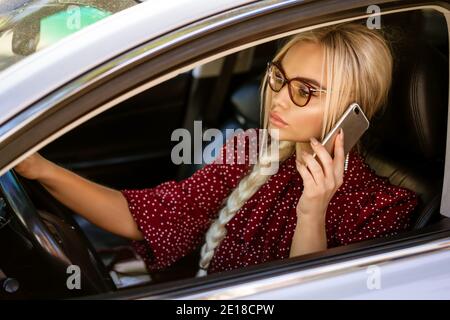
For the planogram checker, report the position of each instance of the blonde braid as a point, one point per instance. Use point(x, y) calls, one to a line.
point(246, 188)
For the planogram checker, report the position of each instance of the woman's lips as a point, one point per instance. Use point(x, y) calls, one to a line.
point(276, 120)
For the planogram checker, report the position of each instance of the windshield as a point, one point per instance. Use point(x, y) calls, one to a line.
point(27, 26)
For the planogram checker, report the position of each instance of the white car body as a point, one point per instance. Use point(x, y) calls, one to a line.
point(49, 76)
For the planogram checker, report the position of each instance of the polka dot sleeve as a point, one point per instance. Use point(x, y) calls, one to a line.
point(174, 216)
point(379, 211)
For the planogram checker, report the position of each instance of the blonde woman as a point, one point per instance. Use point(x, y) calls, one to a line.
point(242, 217)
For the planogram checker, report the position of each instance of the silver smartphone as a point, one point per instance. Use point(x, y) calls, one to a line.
point(354, 123)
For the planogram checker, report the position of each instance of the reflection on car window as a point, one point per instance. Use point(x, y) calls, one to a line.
point(30, 27)
point(60, 25)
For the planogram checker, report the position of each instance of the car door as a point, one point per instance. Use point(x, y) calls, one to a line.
point(255, 22)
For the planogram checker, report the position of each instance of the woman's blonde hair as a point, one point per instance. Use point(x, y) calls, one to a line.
point(358, 66)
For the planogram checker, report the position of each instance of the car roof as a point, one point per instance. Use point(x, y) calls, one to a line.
point(31, 79)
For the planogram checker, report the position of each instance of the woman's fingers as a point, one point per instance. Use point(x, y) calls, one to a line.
point(338, 161)
point(315, 168)
point(324, 156)
point(306, 175)
point(327, 172)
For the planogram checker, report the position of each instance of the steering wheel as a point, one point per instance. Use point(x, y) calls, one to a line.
point(57, 238)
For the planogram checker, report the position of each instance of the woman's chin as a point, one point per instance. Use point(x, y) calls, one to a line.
point(276, 133)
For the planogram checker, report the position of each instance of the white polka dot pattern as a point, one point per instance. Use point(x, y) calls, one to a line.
point(174, 216)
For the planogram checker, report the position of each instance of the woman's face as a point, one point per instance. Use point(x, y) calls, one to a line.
point(302, 60)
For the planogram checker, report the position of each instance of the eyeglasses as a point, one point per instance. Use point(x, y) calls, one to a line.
point(300, 91)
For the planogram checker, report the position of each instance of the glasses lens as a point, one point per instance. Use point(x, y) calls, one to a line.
point(276, 78)
point(300, 92)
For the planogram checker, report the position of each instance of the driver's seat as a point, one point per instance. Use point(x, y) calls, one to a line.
point(407, 142)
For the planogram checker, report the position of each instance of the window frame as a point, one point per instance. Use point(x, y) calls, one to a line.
point(146, 66)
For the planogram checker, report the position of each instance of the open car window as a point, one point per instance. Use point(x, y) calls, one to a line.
point(130, 146)
point(166, 108)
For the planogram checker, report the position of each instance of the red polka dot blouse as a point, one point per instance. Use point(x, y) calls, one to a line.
point(174, 216)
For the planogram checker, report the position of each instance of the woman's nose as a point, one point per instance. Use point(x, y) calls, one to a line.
point(282, 97)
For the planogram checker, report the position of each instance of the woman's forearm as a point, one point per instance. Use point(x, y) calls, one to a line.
point(103, 206)
point(309, 235)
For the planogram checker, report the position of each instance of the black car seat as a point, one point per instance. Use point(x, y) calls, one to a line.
point(407, 142)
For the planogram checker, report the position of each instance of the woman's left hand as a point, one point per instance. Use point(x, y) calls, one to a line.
point(320, 181)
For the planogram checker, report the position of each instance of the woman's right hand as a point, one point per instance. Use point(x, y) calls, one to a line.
point(33, 167)
point(101, 205)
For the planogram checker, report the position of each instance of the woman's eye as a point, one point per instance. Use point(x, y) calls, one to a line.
point(303, 92)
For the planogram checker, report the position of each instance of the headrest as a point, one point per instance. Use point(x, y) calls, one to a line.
point(415, 120)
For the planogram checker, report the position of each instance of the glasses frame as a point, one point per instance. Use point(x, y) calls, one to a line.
point(311, 88)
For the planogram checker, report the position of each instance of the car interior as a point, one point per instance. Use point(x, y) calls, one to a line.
point(129, 146)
